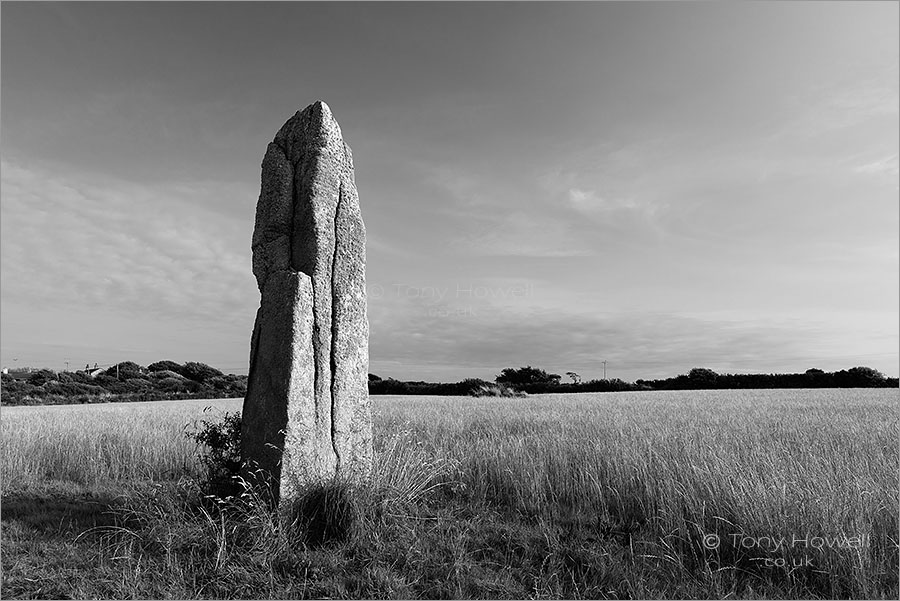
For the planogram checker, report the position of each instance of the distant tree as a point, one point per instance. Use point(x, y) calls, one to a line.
point(199, 372)
point(219, 383)
point(374, 378)
point(816, 378)
point(126, 370)
point(865, 373)
point(525, 376)
point(166, 373)
point(702, 377)
point(238, 385)
point(41, 377)
point(859, 377)
point(81, 377)
point(171, 385)
point(165, 365)
point(388, 386)
point(576, 379)
point(138, 384)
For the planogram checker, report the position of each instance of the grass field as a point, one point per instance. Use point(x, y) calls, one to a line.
point(690, 494)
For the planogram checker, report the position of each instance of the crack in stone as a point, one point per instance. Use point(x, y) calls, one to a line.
point(334, 329)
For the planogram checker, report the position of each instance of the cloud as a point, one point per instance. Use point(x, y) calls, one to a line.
point(74, 241)
point(463, 187)
point(477, 337)
point(497, 218)
point(606, 203)
point(520, 234)
point(588, 201)
point(602, 190)
point(831, 110)
point(888, 165)
point(850, 106)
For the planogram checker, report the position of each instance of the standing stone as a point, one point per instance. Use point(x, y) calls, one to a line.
point(306, 416)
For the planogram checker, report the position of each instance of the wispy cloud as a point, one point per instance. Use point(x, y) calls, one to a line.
point(889, 165)
point(424, 336)
point(500, 219)
point(605, 203)
point(588, 201)
point(831, 109)
point(129, 249)
point(520, 234)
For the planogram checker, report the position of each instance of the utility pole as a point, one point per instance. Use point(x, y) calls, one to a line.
point(604, 369)
point(67, 365)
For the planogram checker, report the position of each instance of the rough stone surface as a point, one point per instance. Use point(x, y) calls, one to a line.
point(306, 416)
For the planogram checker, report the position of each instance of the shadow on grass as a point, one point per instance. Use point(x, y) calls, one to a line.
point(57, 511)
point(324, 514)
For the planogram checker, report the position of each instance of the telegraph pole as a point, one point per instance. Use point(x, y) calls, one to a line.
point(67, 365)
point(604, 369)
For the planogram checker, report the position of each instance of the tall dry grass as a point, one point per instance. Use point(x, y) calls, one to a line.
point(658, 473)
point(94, 445)
point(670, 469)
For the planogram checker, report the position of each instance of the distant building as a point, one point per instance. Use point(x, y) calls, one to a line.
point(17, 374)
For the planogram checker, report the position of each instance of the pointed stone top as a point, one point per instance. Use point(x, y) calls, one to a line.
point(313, 127)
point(319, 105)
point(317, 112)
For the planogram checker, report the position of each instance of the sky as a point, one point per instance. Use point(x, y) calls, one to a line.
point(659, 186)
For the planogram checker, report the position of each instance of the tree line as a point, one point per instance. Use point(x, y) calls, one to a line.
point(123, 382)
point(702, 378)
point(532, 380)
point(166, 380)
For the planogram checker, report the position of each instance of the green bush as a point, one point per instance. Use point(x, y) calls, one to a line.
point(81, 377)
point(238, 384)
point(161, 375)
point(41, 377)
point(14, 391)
point(124, 370)
point(523, 376)
point(138, 384)
point(219, 383)
point(73, 389)
point(171, 385)
point(220, 453)
point(106, 381)
point(199, 372)
point(164, 365)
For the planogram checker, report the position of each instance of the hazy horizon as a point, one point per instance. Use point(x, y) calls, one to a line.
point(660, 186)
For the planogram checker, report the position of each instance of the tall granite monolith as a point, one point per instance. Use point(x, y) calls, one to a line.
point(306, 416)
